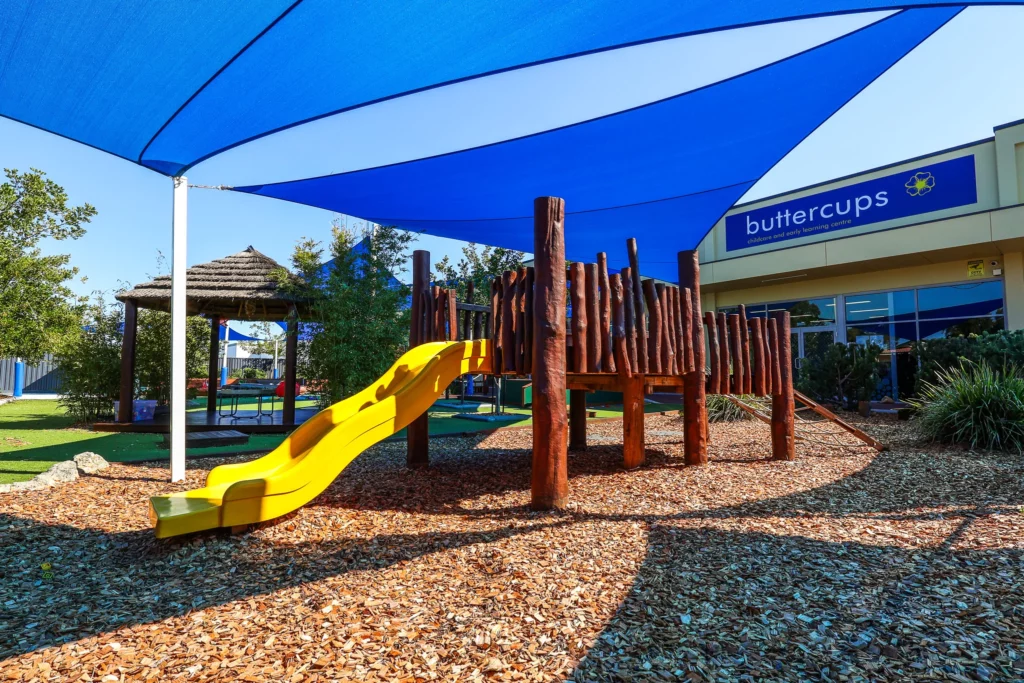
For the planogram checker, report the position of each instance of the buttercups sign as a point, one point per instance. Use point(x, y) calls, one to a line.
point(944, 185)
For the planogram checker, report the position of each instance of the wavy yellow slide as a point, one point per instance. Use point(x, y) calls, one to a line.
point(313, 455)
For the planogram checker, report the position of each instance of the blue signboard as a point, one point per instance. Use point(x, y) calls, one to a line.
point(908, 193)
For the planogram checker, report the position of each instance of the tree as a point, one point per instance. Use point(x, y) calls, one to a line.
point(153, 353)
point(359, 321)
point(480, 267)
point(36, 306)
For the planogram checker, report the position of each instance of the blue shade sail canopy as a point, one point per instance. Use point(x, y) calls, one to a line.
point(167, 84)
point(664, 172)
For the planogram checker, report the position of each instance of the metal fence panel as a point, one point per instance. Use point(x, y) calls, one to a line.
point(43, 378)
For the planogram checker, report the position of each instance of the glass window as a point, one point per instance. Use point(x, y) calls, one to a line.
point(880, 306)
point(942, 329)
point(810, 313)
point(890, 336)
point(970, 299)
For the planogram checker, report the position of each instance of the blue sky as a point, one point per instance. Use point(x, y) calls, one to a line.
point(952, 90)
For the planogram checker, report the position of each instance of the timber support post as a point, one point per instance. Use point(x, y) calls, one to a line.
point(291, 354)
point(783, 406)
point(125, 407)
point(577, 419)
point(417, 435)
point(549, 477)
point(213, 367)
point(695, 412)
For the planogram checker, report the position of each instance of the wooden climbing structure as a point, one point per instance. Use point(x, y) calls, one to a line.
point(580, 328)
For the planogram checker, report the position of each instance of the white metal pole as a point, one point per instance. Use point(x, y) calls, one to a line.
point(179, 379)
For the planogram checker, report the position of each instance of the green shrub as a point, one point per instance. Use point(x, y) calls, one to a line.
point(89, 358)
point(996, 349)
point(973, 404)
point(841, 373)
point(721, 409)
point(246, 373)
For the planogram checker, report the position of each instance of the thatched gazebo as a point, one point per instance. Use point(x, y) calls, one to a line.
point(245, 286)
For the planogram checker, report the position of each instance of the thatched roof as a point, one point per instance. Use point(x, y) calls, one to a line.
point(238, 287)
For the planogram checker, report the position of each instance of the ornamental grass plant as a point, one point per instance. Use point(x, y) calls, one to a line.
point(976, 405)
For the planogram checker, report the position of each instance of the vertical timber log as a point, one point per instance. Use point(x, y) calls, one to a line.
point(494, 326)
point(767, 324)
point(453, 317)
point(745, 339)
point(691, 336)
point(127, 389)
point(695, 412)
point(577, 420)
point(528, 323)
point(630, 319)
point(549, 478)
point(435, 294)
point(654, 340)
point(618, 327)
point(669, 321)
point(783, 407)
point(607, 354)
point(633, 422)
point(640, 319)
point(417, 443)
point(757, 343)
point(594, 331)
point(478, 319)
point(508, 321)
point(213, 368)
point(467, 329)
point(520, 306)
point(579, 318)
point(724, 355)
point(716, 367)
point(737, 353)
point(773, 344)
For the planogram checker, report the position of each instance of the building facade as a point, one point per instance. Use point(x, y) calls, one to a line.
point(922, 249)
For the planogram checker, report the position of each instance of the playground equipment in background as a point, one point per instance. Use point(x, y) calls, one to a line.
point(629, 335)
point(314, 454)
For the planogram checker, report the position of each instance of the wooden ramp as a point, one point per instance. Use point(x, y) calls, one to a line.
point(808, 430)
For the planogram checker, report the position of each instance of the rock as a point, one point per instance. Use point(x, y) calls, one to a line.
point(5, 488)
point(59, 473)
point(90, 463)
point(30, 485)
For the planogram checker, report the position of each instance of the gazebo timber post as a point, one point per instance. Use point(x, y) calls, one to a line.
point(213, 367)
point(417, 436)
point(291, 348)
point(124, 410)
point(695, 411)
point(549, 478)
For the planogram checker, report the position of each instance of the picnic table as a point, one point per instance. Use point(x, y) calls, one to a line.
point(233, 392)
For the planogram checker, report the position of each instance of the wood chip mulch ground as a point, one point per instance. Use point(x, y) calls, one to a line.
point(845, 565)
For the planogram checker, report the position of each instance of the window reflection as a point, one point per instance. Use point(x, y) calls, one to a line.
point(943, 329)
point(880, 306)
point(971, 299)
point(810, 313)
point(890, 336)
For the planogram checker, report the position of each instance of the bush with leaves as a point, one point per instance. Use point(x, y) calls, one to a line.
point(36, 305)
point(479, 267)
point(89, 358)
point(973, 404)
point(359, 322)
point(153, 354)
point(248, 372)
point(840, 373)
point(994, 348)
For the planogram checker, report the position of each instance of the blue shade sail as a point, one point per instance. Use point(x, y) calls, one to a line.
point(167, 84)
point(664, 172)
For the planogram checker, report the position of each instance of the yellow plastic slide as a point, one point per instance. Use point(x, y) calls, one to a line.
point(313, 455)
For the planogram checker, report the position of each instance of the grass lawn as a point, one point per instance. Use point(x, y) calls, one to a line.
point(36, 434)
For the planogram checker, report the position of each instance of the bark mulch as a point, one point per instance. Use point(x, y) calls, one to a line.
point(845, 565)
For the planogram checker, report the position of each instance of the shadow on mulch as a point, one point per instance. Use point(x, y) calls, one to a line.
point(706, 599)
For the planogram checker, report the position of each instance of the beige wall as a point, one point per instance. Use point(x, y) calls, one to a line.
point(913, 252)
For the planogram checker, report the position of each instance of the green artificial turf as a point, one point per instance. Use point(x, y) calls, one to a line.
point(36, 434)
